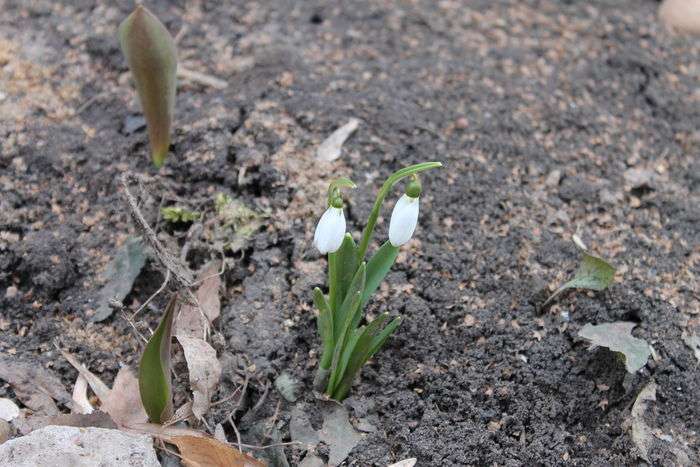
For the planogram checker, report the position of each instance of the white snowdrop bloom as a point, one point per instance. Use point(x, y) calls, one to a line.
point(330, 230)
point(403, 222)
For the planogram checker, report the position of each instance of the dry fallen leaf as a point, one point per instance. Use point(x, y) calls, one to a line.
point(123, 403)
point(338, 433)
point(208, 452)
point(100, 389)
point(618, 338)
point(204, 371)
point(194, 321)
point(405, 463)
point(35, 386)
point(329, 150)
point(8, 409)
point(642, 434)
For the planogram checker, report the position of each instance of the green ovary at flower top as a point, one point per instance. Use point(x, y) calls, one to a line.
point(352, 281)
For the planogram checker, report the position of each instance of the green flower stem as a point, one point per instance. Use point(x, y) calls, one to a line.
point(388, 184)
point(332, 280)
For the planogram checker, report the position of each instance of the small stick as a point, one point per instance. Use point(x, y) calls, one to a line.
point(274, 445)
point(201, 78)
point(157, 292)
point(133, 326)
point(181, 273)
point(235, 409)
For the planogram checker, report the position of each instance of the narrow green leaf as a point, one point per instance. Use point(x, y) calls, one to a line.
point(380, 339)
point(154, 369)
point(325, 327)
point(593, 273)
point(343, 334)
point(377, 268)
point(150, 53)
point(346, 266)
point(361, 352)
point(346, 354)
point(347, 307)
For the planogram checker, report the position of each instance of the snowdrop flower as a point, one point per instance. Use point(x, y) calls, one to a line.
point(330, 230)
point(404, 217)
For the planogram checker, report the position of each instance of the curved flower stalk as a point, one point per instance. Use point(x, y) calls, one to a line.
point(150, 52)
point(352, 281)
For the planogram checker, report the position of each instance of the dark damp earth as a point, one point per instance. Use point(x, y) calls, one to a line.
point(551, 118)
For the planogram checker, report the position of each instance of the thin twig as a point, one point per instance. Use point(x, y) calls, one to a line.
point(180, 272)
point(201, 78)
point(273, 420)
point(157, 292)
point(274, 445)
point(226, 399)
point(133, 326)
point(236, 407)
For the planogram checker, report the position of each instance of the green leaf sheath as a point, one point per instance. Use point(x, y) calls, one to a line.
point(383, 192)
point(345, 264)
point(358, 357)
point(377, 268)
point(343, 336)
point(154, 369)
point(152, 58)
point(325, 327)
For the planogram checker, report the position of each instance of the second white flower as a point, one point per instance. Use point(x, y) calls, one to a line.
point(403, 222)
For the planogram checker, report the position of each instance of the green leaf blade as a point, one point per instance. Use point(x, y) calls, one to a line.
point(377, 269)
point(345, 264)
point(325, 327)
point(154, 369)
point(348, 308)
point(361, 353)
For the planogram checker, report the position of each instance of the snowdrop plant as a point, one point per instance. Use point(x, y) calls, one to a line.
point(346, 346)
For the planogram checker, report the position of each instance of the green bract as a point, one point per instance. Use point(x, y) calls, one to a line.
point(351, 283)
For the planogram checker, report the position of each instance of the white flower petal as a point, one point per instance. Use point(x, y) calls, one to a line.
point(403, 222)
point(330, 230)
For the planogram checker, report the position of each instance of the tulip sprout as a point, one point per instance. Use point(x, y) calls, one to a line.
point(351, 281)
point(152, 58)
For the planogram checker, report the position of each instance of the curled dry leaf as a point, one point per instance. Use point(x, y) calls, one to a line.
point(100, 389)
point(204, 371)
point(330, 148)
point(81, 404)
point(642, 434)
point(209, 452)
